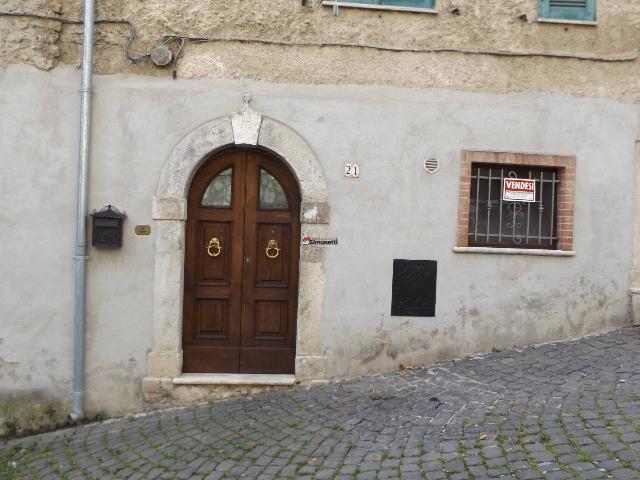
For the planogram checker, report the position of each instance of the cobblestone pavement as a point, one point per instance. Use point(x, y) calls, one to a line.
point(564, 410)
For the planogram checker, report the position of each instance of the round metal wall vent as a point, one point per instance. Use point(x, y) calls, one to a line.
point(431, 165)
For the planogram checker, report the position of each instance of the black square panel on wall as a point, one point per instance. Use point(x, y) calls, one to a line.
point(413, 291)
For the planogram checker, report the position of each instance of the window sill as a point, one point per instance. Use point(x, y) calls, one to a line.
point(379, 7)
point(590, 23)
point(516, 251)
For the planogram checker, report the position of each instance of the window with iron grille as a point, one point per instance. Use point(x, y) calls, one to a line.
point(497, 221)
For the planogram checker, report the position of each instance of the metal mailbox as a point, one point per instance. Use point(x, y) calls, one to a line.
point(107, 227)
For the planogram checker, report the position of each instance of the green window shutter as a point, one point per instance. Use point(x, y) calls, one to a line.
point(397, 3)
point(567, 9)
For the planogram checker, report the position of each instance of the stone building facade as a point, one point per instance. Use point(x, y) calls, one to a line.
point(433, 103)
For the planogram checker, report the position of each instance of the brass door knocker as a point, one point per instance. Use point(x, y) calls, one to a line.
point(214, 244)
point(272, 246)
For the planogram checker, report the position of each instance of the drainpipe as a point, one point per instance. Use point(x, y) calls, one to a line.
point(80, 257)
point(635, 271)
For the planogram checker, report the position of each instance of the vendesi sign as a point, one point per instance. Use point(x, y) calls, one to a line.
point(519, 190)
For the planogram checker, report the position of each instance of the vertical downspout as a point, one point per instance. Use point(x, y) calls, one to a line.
point(80, 257)
point(635, 269)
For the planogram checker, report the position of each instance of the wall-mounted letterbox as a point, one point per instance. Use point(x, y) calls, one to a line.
point(107, 227)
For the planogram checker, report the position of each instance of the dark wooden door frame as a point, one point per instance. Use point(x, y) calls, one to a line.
point(237, 292)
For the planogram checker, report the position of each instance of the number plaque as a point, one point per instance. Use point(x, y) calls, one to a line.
point(351, 170)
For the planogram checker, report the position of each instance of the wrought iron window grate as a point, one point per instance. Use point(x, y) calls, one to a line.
point(495, 222)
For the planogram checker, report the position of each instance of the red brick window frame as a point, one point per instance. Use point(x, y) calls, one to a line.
point(565, 201)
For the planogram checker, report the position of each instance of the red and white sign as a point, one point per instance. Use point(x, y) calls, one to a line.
point(519, 190)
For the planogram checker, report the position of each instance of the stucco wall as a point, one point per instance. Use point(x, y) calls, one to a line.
point(395, 210)
point(478, 25)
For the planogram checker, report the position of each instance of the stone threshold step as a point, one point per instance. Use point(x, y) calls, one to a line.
point(234, 379)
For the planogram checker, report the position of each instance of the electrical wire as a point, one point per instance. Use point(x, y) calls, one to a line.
point(134, 57)
point(624, 57)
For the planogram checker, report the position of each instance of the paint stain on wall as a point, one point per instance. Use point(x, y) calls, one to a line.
point(383, 345)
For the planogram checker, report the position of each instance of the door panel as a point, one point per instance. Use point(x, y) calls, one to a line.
point(270, 294)
point(213, 266)
point(252, 360)
point(212, 319)
point(274, 252)
point(271, 320)
point(199, 359)
point(241, 266)
point(211, 333)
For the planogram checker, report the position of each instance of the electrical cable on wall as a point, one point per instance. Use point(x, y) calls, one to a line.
point(181, 39)
point(134, 57)
point(626, 57)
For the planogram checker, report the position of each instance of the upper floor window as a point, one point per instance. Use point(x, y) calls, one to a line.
point(581, 10)
point(409, 5)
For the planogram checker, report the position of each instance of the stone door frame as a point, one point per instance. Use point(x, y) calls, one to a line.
point(169, 208)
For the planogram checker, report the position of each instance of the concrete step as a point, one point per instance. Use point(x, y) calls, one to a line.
point(234, 379)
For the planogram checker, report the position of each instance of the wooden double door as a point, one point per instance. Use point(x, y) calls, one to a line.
point(241, 265)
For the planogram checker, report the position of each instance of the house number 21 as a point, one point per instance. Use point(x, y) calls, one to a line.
point(351, 170)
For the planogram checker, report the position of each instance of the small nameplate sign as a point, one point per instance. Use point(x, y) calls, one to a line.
point(309, 240)
point(143, 229)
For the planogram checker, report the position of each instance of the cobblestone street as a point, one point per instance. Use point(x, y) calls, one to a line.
point(563, 410)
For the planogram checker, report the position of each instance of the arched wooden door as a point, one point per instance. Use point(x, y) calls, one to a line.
point(241, 265)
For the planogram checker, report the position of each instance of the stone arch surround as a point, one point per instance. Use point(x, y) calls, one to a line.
point(169, 213)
